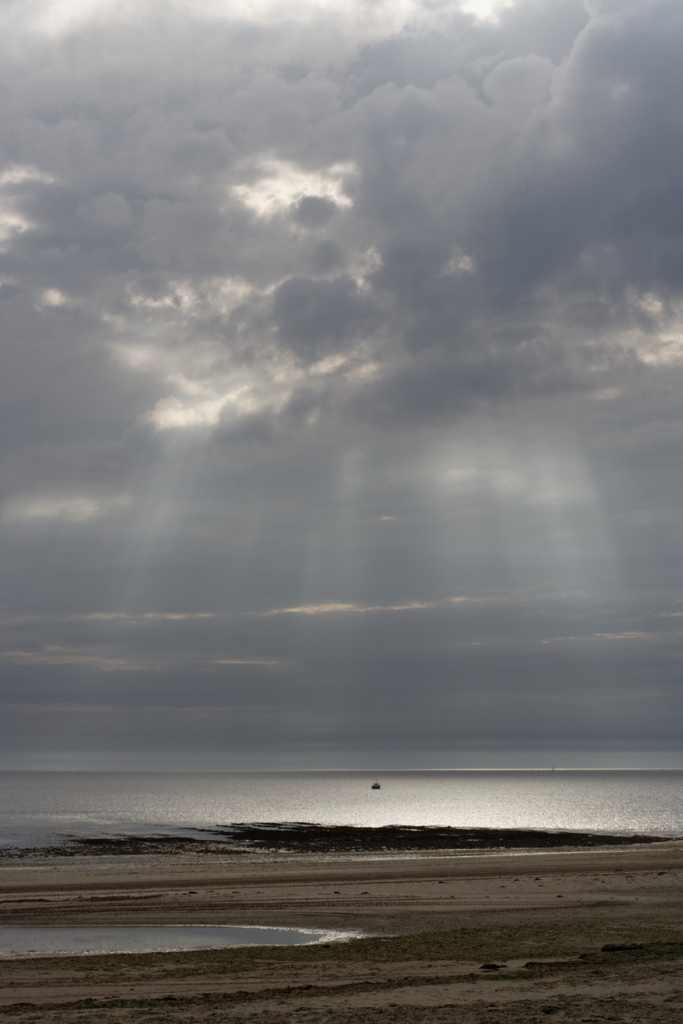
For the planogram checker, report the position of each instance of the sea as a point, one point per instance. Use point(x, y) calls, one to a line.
point(20, 942)
point(45, 809)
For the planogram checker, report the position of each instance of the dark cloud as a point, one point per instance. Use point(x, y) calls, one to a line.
point(314, 211)
point(315, 318)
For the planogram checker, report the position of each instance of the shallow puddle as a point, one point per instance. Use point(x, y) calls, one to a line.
point(22, 942)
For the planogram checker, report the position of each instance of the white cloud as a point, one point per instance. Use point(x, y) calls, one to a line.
point(662, 345)
point(61, 509)
point(352, 607)
point(485, 10)
point(53, 298)
point(174, 414)
point(283, 183)
point(12, 221)
point(215, 296)
point(17, 174)
point(58, 654)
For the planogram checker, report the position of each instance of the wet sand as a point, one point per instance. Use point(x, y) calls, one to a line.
point(432, 920)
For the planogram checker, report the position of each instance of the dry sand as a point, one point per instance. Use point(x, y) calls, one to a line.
point(433, 921)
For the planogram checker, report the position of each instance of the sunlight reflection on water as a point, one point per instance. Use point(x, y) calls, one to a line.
point(40, 807)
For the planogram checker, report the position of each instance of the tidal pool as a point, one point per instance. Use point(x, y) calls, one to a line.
point(28, 941)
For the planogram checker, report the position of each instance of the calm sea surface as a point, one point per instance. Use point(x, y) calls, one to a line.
point(23, 942)
point(41, 808)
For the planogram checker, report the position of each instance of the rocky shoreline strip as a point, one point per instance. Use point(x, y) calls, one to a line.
point(301, 837)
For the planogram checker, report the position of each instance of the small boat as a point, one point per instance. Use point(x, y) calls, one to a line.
point(375, 785)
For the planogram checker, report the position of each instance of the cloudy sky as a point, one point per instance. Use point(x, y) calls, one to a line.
point(342, 383)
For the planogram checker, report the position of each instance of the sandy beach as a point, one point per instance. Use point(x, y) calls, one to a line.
point(519, 936)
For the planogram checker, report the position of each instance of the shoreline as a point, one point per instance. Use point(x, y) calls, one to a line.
point(376, 891)
point(509, 935)
point(310, 838)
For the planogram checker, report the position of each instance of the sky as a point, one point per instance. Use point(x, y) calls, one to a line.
point(342, 384)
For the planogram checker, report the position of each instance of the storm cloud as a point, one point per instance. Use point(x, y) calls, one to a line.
point(342, 352)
